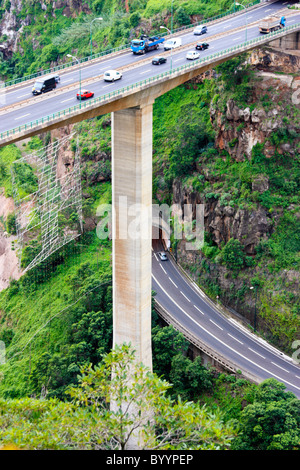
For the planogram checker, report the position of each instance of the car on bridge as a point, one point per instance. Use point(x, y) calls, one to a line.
point(159, 60)
point(192, 55)
point(201, 46)
point(85, 94)
point(44, 84)
point(162, 256)
point(112, 75)
point(200, 30)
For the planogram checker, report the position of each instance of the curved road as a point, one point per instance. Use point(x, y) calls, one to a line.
point(192, 310)
point(174, 293)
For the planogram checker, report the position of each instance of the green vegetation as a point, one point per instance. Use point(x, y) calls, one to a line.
point(89, 422)
point(50, 33)
point(56, 321)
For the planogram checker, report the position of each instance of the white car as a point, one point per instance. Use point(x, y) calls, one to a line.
point(192, 55)
point(112, 75)
point(162, 256)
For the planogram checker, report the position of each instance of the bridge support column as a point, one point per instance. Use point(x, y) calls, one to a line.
point(132, 237)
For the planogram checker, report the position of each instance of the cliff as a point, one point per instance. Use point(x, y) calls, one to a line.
point(250, 189)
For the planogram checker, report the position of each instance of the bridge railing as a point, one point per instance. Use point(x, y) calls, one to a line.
point(98, 55)
point(202, 346)
point(125, 90)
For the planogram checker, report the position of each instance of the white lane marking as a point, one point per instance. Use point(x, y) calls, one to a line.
point(69, 80)
point(257, 353)
point(233, 337)
point(163, 269)
point(145, 71)
point(236, 39)
point(216, 324)
point(228, 26)
point(20, 117)
point(274, 363)
point(218, 339)
point(21, 96)
point(173, 282)
point(176, 60)
point(69, 99)
point(198, 309)
point(184, 296)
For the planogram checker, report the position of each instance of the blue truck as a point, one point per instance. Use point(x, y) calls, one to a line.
point(145, 44)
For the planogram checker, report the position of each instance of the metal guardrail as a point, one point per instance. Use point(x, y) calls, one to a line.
point(199, 344)
point(88, 81)
point(119, 49)
point(170, 73)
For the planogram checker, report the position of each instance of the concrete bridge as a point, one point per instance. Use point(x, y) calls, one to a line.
point(131, 107)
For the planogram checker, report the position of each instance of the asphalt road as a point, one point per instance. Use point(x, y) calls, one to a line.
point(174, 293)
point(52, 104)
point(191, 308)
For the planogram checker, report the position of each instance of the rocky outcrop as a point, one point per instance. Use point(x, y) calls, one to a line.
point(224, 221)
point(270, 59)
point(9, 262)
point(241, 128)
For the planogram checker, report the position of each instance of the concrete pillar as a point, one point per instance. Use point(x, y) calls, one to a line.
point(286, 43)
point(132, 188)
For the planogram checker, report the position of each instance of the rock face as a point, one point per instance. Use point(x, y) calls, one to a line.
point(225, 222)
point(241, 128)
point(272, 59)
point(9, 262)
point(12, 22)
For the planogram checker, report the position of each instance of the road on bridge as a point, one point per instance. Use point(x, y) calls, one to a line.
point(229, 32)
point(174, 293)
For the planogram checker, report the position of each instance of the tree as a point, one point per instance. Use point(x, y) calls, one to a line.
point(166, 344)
point(191, 138)
point(189, 378)
point(114, 401)
point(272, 422)
point(233, 255)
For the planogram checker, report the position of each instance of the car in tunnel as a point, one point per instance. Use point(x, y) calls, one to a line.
point(162, 255)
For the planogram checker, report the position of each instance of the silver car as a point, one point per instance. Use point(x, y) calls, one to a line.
point(162, 256)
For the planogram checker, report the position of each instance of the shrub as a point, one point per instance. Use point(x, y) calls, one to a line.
point(233, 255)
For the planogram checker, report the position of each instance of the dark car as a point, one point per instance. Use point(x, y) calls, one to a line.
point(44, 84)
point(202, 45)
point(85, 94)
point(200, 30)
point(159, 60)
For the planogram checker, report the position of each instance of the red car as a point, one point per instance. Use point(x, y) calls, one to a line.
point(85, 94)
